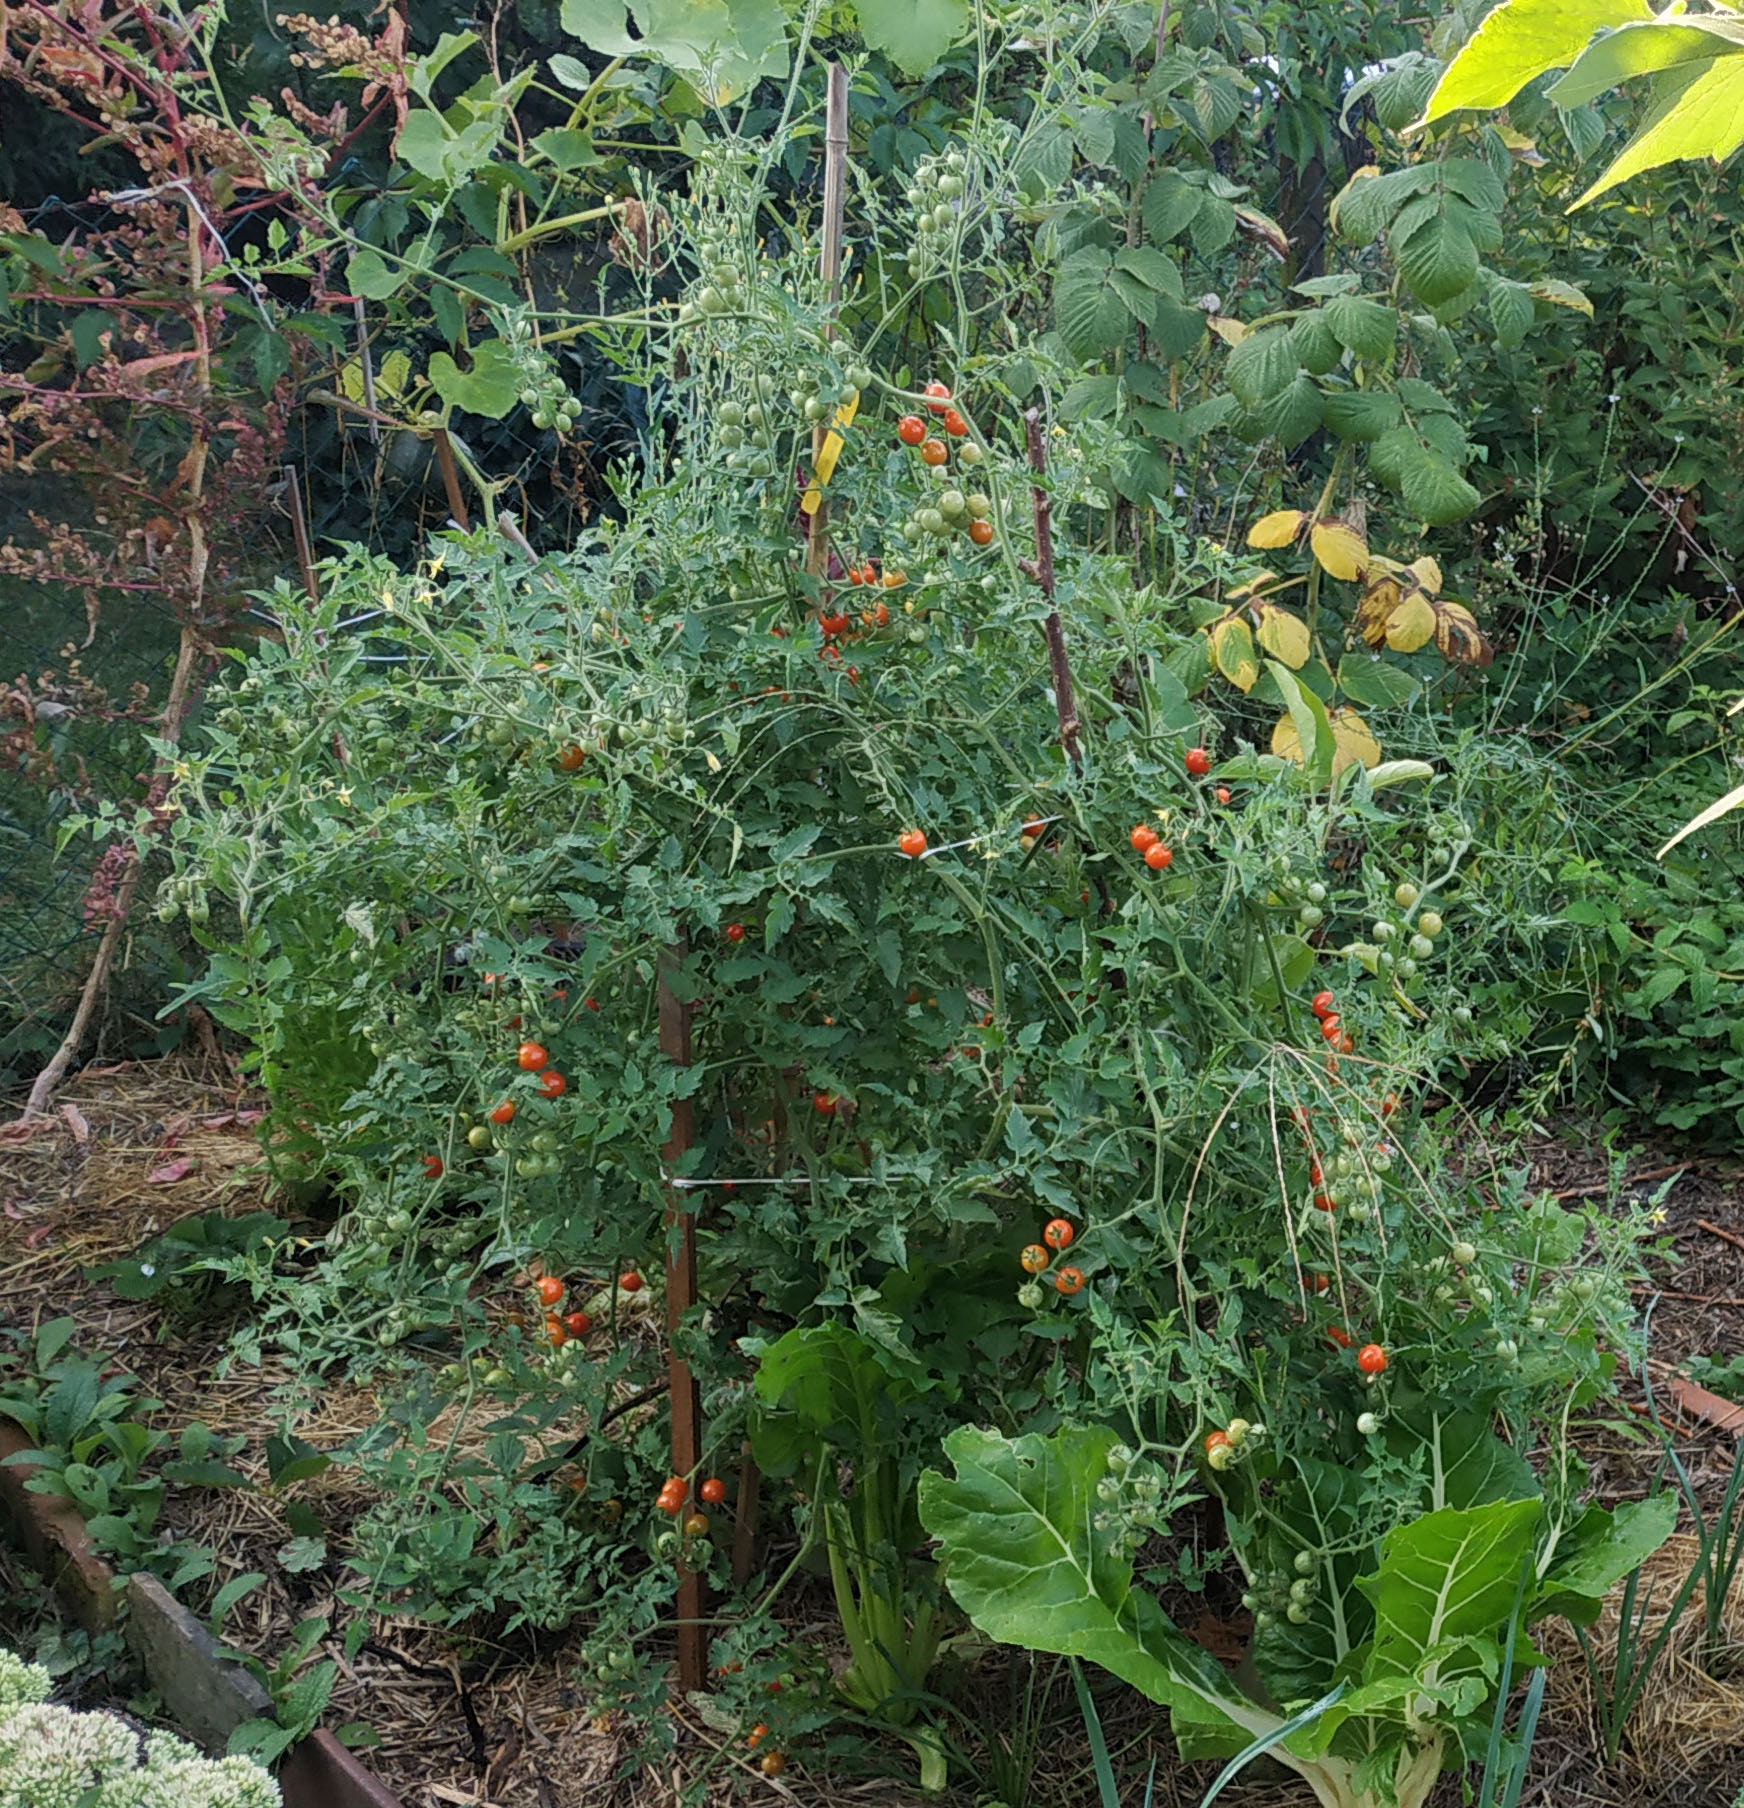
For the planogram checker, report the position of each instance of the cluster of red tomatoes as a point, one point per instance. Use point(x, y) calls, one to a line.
point(954, 511)
point(674, 1492)
point(531, 1058)
point(1057, 1235)
point(559, 1326)
point(1332, 1030)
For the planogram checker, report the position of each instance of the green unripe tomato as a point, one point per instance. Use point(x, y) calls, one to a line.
point(1462, 1015)
point(1407, 968)
point(1297, 1613)
point(968, 453)
point(1367, 1424)
point(1464, 1254)
point(1405, 895)
point(1429, 923)
point(479, 1137)
point(1381, 931)
point(1421, 947)
point(730, 414)
point(932, 521)
point(858, 376)
point(1316, 893)
point(1030, 1296)
point(1306, 1563)
point(952, 503)
point(1303, 1590)
point(711, 301)
point(1310, 916)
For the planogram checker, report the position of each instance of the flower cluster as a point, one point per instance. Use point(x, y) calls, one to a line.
point(51, 1757)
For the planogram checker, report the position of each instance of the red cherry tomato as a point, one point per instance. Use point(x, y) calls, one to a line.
point(1336, 1334)
point(1322, 1004)
point(911, 429)
point(1371, 1359)
point(1222, 794)
point(550, 1289)
point(432, 1167)
point(1058, 1233)
point(713, 1491)
point(954, 424)
point(1158, 857)
point(577, 1324)
point(1389, 1104)
point(937, 395)
point(530, 1057)
point(570, 758)
point(1216, 1440)
point(1143, 838)
point(912, 843)
point(629, 1281)
point(1198, 762)
point(552, 1084)
point(503, 1113)
point(1034, 1258)
point(1069, 1280)
point(824, 1103)
point(1331, 1027)
point(735, 932)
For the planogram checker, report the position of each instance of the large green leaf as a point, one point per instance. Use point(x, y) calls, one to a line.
point(1313, 725)
point(1169, 206)
point(1089, 314)
point(1634, 50)
point(1446, 1585)
point(1438, 260)
point(1026, 1562)
point(1597, 1552)
point(1363, 414)
point(1465, 1463)
point(1433, 490)
point(1702, 115)
point(1262, 365)
point(1372, 682)
point(720, 46)
point(1518, 42)
point(1363, 326)
point(824, 1385)
point(490, 388)
point(914, 34)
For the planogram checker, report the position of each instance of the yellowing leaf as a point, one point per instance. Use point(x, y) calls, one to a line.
point(1284, 636)
point(1286, 742)
point(1256, 586)
point(1720, 807)
point(390, 380)
point(1231, 332)
point(1340, 549)
point(1352, 741)
point(1411, 624)
point(1562, 295)
point(1458, 636)
point(1233, 649)
point(1279, 528)
point(1379, 601)
point(1427, 573)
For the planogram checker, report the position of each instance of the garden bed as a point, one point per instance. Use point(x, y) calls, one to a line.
point(465, 1717)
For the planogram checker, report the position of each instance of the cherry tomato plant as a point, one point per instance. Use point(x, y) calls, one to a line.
point(965, 989)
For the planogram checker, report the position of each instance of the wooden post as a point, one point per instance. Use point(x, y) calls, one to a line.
point(685, 1399)
point(1065, 703)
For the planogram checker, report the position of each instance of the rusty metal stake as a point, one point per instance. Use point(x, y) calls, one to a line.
point(686, 1400)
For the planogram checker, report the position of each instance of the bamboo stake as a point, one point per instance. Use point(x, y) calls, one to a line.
point(830, 264)
point(1065, 703)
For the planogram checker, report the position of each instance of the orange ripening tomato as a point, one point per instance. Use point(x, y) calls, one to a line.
point(981, 532)
point(912, 843)
point(933, 451)
point(550, 1290)
point(1069, 1280)
point(1216, 1440)
point(1034, 1258)
point(571, 758)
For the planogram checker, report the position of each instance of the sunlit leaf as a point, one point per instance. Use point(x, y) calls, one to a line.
point(1517, 43)
point(1705, 119)
point(1340, 550)
point(1352, 741)
point(1279, 528)
point(1720, 807)
point(1379, 601)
